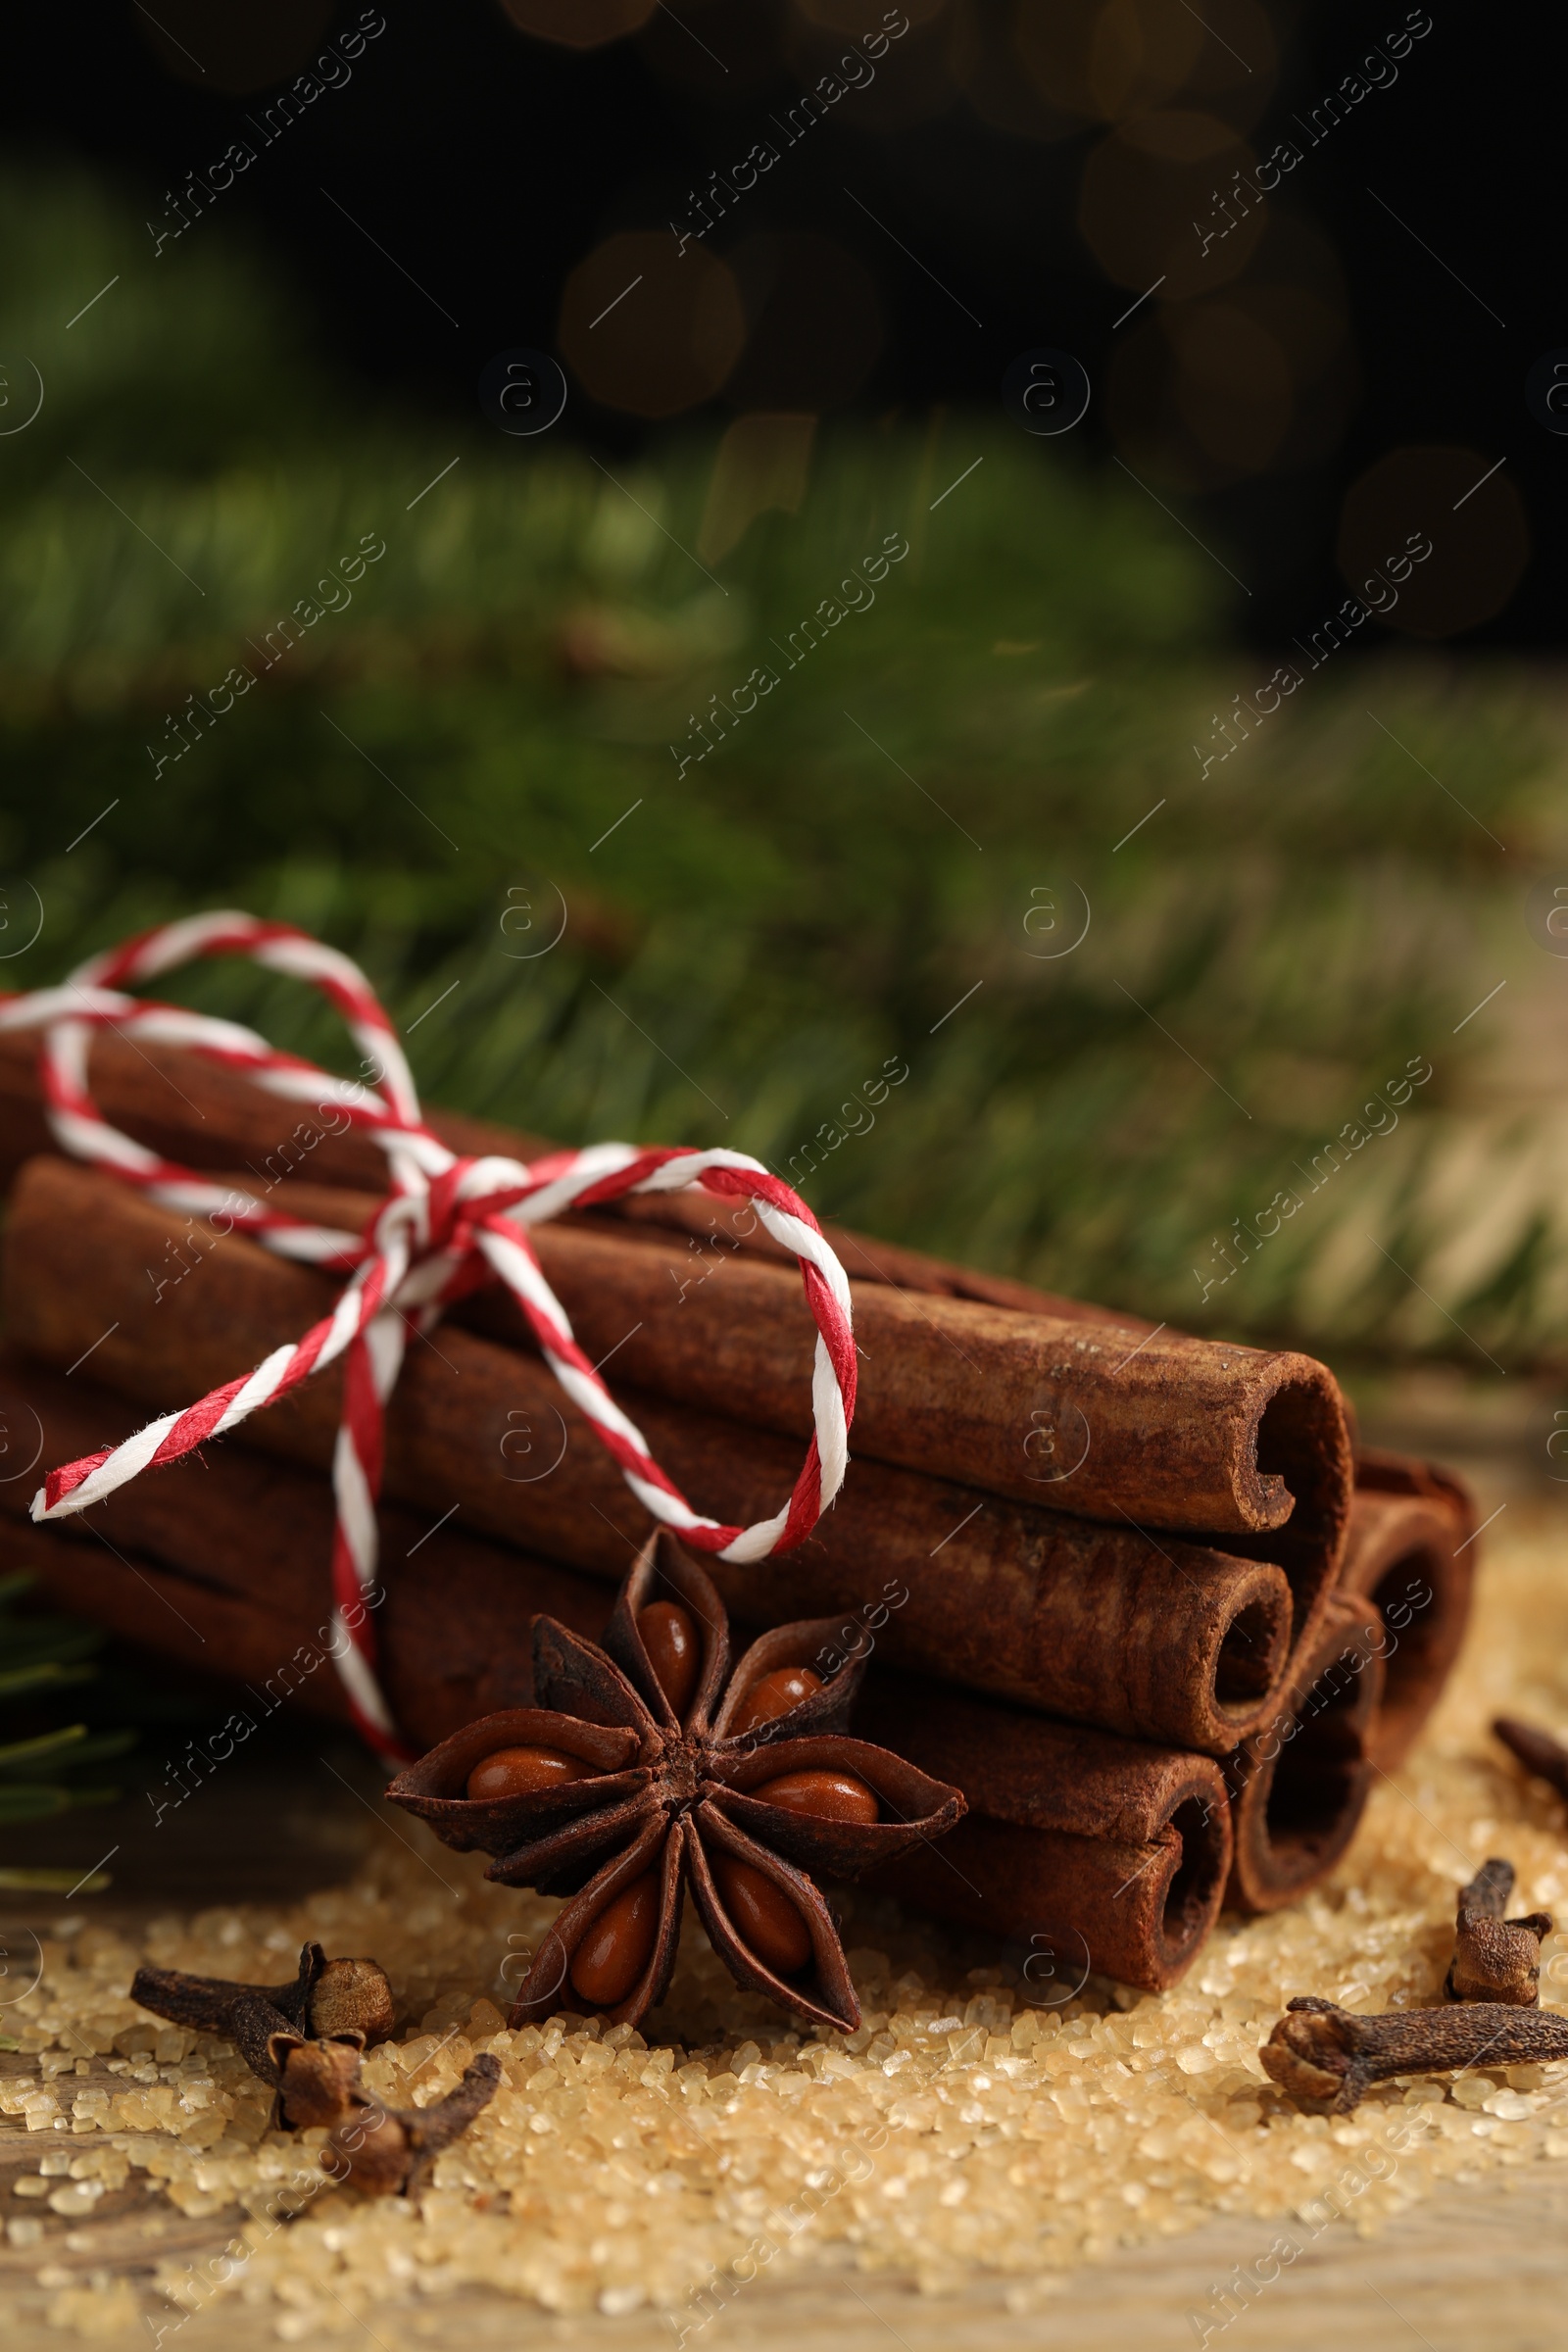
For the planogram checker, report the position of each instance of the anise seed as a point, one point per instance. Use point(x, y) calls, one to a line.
point(774, 1695)
point(765, 1919)
point(674, 1653)
point(824, 1795)
point(617, 1948)
point(524, 1771)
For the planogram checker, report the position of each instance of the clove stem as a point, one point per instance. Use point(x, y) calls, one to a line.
point(1538, 1752)
point(1327, 2057)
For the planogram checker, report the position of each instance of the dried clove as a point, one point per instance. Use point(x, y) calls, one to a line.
point(389, 2151)
point(1495, 1959)
point(1327, 2057)
point(318, 2083)
point(326, 1998)
point(305, 2039)
point(1538, 1752)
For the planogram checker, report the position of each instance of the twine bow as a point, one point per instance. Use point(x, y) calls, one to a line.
point(451, 1225)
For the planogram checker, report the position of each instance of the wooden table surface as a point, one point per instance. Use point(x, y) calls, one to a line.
point(1462, 2271)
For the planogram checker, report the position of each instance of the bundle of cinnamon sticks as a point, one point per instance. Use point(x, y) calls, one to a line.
point(1126, 1588)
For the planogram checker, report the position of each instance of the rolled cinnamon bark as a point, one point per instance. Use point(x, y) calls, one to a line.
point(1093, 1853)
point(217, 1562)
point(1166, 1433)
point(1086, 1853)
point(1163, 1432)
point(1410, 1548)
point(1299, 1785)
point(1063, 1410)
point(1161, 1639)
point(201, 1116)
point(184, 1618)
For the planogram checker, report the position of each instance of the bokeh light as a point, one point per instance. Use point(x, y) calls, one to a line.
point(1234, 72)
point(1233, 384)
point(1259, 378)
point(1112, 59)
point(1155, 188)
point(580, 23)
point(1106, 58)
point(649, 328)
point(983, 58)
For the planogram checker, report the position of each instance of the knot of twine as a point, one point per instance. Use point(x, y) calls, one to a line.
point(451, 1225)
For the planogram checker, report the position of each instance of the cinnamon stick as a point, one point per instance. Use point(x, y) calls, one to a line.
point(1093, 1852)
point(229, 1550)
point(188, 1620)
point(200, 1116)
point(1066, 1410)
point(1155, 1637)
point(1070, 1414)
point(1084, 1852)
point(1167, 1432)
point(1410, 1548)
point(1299, 1785)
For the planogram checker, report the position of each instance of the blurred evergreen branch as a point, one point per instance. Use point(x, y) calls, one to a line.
point(40, 1655)
point(481, 737)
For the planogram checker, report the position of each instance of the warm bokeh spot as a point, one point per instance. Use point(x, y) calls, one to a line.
point(1150, 206)
point(648, 327)
point(578, 24)
point(1480, 538)
point(816, 327)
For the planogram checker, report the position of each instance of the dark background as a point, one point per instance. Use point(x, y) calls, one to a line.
point(490, 162)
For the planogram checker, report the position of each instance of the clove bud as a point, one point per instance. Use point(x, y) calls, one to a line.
point(318, 2083)
point(1327, 2057)
point(389, 2151)
point(306, 2041)
point(1495, 1959)
point(326, 1997)
point(303, 2038)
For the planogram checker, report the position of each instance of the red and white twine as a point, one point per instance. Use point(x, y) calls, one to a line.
point(450, 1225)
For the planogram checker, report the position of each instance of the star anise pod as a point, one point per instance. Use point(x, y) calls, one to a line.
point(649, 1765)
